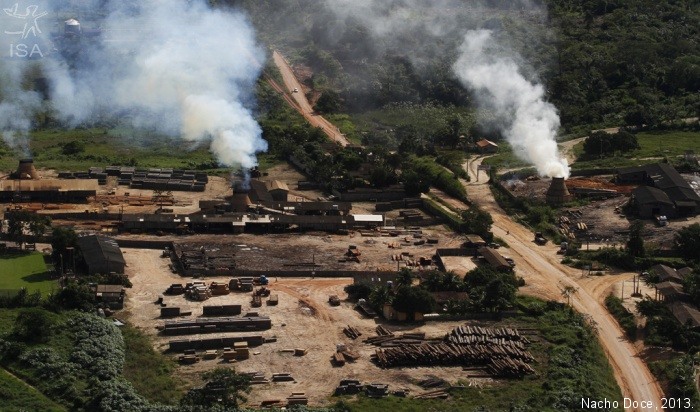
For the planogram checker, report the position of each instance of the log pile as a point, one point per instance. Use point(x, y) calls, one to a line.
point(391, 340)
point(501, 351)
point(432, 383)
point(352, 332)
point(382, 331)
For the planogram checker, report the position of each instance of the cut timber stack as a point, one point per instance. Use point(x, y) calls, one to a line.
point(297, 398)
point(257, 378)
point(348, 387)
point(207, 325)
point(338, 359)
point(351, 332)
point(282, 377)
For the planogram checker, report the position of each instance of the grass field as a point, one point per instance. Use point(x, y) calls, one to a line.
point(149, 371)
point(25, 271)
point(102, 147)
point(505, 159)
point(17, 396)
point(653, 145)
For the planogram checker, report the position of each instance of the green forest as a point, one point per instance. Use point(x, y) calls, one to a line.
point(602, 62)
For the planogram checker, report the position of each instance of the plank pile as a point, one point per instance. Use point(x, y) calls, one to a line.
point(257, 378)
point(282, 377)
point(352, 332)
point(501, 351)
point(297, 398)
point(348, 387)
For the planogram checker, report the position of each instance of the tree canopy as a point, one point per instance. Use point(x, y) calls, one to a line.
point(687, 242)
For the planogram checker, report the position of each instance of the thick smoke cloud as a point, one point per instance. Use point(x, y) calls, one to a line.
point(174, 66)
point(17, 106)
point(495, 74)
point(526, 119)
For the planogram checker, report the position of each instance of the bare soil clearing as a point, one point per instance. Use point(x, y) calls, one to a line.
point(303, 319)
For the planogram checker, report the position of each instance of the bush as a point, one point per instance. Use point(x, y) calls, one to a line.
point(622, 315)
point(358, 290)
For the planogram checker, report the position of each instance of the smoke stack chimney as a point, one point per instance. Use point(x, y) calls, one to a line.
point(26, 170)
point(557, 192)
point(240, 200)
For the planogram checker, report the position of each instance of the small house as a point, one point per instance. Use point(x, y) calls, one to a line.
point(111, 296)
point(666, 274)
point(486, 146)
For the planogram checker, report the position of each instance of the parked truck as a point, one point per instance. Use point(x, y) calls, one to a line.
point(539, 239)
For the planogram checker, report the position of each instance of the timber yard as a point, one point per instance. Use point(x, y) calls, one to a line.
point(330, 207)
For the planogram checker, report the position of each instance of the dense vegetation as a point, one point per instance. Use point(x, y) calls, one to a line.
point(613, 62)
point(623, 316)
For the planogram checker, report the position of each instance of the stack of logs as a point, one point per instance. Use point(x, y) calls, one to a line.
point(391, 340)
point(500, 351)
point(352, 332)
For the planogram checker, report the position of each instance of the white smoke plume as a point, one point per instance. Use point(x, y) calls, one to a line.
point(494, 74)
point(17, 106)
point(178, 67)
point(526, 119)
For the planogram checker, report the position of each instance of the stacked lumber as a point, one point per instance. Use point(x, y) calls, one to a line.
point(297, 398)
point(348, 387)
point(257, 378)
point(352, 332)
point(338, 359)
point(282, 377)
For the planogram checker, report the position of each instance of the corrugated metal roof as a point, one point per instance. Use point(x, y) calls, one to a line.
point(647, 194)
point(494, 258)
point(685, 313)
point(99, 249)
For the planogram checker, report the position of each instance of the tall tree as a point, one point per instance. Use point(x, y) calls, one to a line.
point(635, 242)
point(688, 242)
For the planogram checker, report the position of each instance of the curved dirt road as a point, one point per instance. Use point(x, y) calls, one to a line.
point(302, 104)
point(546, 277)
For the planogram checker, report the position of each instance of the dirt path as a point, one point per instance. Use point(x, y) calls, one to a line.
point(302, 104)
point(546, 277)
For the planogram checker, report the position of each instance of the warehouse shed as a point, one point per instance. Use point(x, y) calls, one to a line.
point(101, 254)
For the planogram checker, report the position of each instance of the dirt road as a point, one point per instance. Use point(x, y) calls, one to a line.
point(302, 104)
point(546, 277)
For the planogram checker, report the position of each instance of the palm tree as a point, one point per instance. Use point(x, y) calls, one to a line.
point(567, 292)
